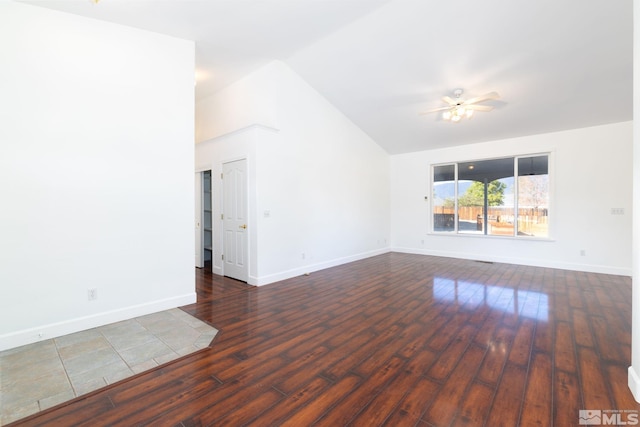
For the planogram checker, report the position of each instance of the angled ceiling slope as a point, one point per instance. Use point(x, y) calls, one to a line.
point(557, 65)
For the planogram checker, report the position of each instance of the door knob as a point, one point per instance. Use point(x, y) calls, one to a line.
point(243, 226)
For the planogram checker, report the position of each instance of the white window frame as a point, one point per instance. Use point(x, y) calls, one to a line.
point(515, 157)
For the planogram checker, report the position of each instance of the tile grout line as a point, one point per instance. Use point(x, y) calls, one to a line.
point(66, 373)
point(117, 352)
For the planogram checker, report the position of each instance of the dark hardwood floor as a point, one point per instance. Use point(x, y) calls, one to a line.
point(397, 340)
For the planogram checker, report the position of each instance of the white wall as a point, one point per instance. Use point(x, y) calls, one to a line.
point(323, 181)
point(590, 173)
point(96, 173)
point(634, 369)
point(248, 101)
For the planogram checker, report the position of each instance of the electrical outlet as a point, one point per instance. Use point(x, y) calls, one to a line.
point(583, 252)
point(92, 294)
point(617, 211)
point(304, 256)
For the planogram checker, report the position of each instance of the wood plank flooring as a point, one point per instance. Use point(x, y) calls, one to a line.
point(396, 340)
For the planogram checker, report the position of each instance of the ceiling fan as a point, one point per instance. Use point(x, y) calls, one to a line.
point(458, 108)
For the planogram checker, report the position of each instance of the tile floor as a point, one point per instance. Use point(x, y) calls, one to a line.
point(41, 375)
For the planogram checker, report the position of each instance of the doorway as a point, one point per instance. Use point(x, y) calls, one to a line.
point(204, 220)
point(207, 221)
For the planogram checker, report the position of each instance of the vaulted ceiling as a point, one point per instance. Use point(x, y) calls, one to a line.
point(557, 64)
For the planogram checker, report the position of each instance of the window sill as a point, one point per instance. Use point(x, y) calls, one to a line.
point(492, 236)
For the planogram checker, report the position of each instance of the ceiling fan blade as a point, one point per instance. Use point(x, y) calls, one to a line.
point(476, 107)
point(449, 100)
point(435, 110)
point(487, 97)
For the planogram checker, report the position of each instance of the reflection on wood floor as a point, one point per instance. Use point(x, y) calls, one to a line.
point(395, 340)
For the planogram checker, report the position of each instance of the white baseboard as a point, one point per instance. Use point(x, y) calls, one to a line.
point(603, 269)
point(284, 275)
point(53, 330)
point(634, 383)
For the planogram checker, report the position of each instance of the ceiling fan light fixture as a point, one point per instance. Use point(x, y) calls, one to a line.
point(459, 108)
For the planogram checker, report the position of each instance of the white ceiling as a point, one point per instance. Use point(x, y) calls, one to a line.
point(557, 64)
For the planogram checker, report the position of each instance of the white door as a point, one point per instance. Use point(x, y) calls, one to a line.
point(234, 220)
point(198, 220)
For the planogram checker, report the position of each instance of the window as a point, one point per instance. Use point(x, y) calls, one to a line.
point(497, 197)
